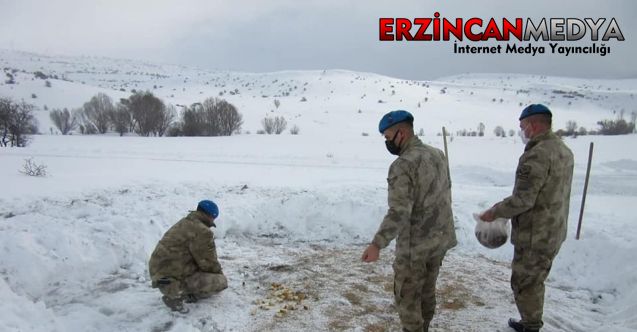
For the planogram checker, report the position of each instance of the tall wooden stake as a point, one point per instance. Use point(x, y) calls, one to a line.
point(444, 138)
point(588, 173)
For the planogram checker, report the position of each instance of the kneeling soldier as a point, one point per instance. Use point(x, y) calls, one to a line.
point(184, 264)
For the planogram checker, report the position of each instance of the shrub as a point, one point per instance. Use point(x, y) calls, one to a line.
point(615, 127)
point(10, 79)
point(499, 131)
point(274, 125)
point(40, 75)
point(30, 168)
point(582, 131)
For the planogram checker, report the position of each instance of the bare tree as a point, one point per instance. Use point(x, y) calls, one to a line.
point(192, 120)
point(97, 112)
point(63, 120)
point(571, 126)
point(277, 103)
point(121, 119)
point(147, 111)
point(16, 123)
point(221, 117)
point(167, 117)
point(5, 120)
point(210, 117)
point(213, 117)
point(615, 127)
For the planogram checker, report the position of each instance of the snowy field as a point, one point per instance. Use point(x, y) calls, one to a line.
point(296, 210)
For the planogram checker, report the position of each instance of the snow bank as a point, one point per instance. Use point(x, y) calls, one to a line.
point(21, 313)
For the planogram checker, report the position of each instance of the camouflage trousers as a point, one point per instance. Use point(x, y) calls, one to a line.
point(530, 268)
point(200, 284)
point(415, 294)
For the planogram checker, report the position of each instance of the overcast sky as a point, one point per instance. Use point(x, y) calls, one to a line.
point(262, 35)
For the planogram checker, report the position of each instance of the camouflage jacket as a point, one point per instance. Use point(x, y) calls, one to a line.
point(419, 198)
point(187, 247)
point(539, 205)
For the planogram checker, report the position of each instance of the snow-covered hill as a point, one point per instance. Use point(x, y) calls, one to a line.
point(338, 100)
point(296, 210)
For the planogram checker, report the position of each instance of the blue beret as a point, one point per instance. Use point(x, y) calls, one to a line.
point(393, 118)
point(209, 207)
point(534, 109)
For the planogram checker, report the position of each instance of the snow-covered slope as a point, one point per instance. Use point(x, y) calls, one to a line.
point(338, 100)
point(296, 210)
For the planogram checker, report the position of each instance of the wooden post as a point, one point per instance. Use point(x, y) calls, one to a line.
point(588, 173)
point(444, 138)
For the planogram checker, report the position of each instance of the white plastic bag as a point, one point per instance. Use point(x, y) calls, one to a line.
point(491, 234)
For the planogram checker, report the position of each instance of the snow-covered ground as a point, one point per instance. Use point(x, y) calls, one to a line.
point(297, 210)
point(75, 244)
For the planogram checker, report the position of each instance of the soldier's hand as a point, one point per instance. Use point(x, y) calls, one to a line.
point(488, 215)
point(371, 253)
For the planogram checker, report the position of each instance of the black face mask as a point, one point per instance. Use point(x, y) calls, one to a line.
point(391, 145)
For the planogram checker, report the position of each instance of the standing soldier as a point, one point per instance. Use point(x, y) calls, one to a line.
point(184, 264)
point(538, 209)
point(419, 218)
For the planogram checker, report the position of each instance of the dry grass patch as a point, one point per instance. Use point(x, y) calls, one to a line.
point(361, 288)
point(377, 327)
point(353, 298)
point(339, 324)
point(452, 296)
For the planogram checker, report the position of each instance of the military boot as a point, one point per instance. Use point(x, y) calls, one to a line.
point(518, 327)
point(175, 304)
point(191, 298)
point(419, 330)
